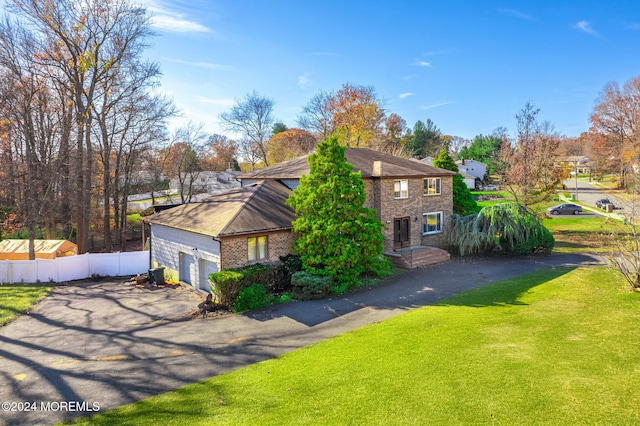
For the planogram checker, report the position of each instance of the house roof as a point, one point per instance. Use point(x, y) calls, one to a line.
point(362, 159)
point(465, 161)
point(252, 208)
point(580, 159)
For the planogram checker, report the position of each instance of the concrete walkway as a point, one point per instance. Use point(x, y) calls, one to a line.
point(98, 346)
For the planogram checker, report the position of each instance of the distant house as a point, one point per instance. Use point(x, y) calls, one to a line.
point(253, 224)
point(469, 180)
point(205, 182)
point(473, 168)
point(245, 225)
point(576, 163)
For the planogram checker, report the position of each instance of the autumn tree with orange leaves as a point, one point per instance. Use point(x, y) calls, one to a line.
point(289, 144)
point(358, 115)
point(355, 113)
point(615, 124)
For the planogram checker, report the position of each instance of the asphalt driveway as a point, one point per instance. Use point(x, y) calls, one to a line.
point(92, 347)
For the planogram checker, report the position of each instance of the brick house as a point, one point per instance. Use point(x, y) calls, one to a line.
point(413, 199)
point(250, 224)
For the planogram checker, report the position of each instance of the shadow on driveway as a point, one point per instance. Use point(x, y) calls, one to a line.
point(111, 343)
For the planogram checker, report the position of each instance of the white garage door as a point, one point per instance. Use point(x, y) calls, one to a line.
point(187, 268)
point(206, 267)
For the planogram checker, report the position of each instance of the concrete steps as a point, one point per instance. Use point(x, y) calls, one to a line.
point(417, 256)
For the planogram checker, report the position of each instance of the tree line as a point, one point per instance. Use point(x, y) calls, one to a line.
point(81, 117)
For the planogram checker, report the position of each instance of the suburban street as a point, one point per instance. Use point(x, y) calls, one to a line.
point(588, 193)
point(102, 345)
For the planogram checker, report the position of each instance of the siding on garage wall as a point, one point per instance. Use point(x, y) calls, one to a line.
point(167, 244)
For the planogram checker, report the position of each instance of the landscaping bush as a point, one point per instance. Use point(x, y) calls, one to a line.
point(507, 228)
point(308, 286)
point(227, 284)
point(253, 297)
point(280, 281)
point(383, 267)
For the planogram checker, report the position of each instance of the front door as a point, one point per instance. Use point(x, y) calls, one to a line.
point(400, 232)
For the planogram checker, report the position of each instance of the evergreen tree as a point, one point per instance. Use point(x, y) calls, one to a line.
point(336, 235)
point(426, 139)
point(463, 202)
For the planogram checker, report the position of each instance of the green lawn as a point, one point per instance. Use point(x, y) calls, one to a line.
point(574, 235)
point(556, 347)
point(16, 299)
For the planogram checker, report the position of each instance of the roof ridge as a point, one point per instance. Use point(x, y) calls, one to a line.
point(257, 186)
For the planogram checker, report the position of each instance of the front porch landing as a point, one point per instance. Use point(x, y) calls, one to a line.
point(417, 256)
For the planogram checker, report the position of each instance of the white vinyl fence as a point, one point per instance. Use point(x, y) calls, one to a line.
point(74, 267)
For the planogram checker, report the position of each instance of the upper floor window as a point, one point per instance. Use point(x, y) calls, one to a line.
point(432, 186)
point(401, 188)
point(256, 248)
point(432, 223)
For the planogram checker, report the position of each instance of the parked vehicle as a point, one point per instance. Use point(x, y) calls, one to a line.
point(565, 209)
point(602, 203)
point(490, 188)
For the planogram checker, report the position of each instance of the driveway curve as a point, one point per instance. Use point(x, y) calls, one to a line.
point(92, 347)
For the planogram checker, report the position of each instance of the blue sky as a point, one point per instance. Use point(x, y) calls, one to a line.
point(469, 66)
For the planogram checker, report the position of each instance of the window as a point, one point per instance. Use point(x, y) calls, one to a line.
point(432, 223)
point(432, 186)
point(401, 188)
point(256, 248)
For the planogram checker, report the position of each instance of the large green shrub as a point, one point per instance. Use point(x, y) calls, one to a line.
point(253, 297)
point(281, 275)
point(308, 286)
point(228, 283)
point(336, 235)
point(506, 227)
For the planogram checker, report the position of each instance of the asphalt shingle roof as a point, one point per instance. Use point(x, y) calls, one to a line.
point(361, 158)
point(252, 208)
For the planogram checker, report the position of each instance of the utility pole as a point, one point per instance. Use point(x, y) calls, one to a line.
point(576, 170)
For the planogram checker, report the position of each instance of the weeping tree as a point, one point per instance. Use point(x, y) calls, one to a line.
point(508, 228)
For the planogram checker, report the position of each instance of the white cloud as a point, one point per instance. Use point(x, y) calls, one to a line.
point(304, 80)
point(168, 19)
point(585, 27)
point(422, 64)
point(178, 24)
point(405, 95)
point(436, 105)
point(207, 65)
point(516, 14)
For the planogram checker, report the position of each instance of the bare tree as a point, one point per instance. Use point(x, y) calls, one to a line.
point(249, 151)
point(531, 173)
point(184, 157)
point(317, 116)
point(253, 118)
point(79, 44)
point(86, 58)
point(29, 108)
